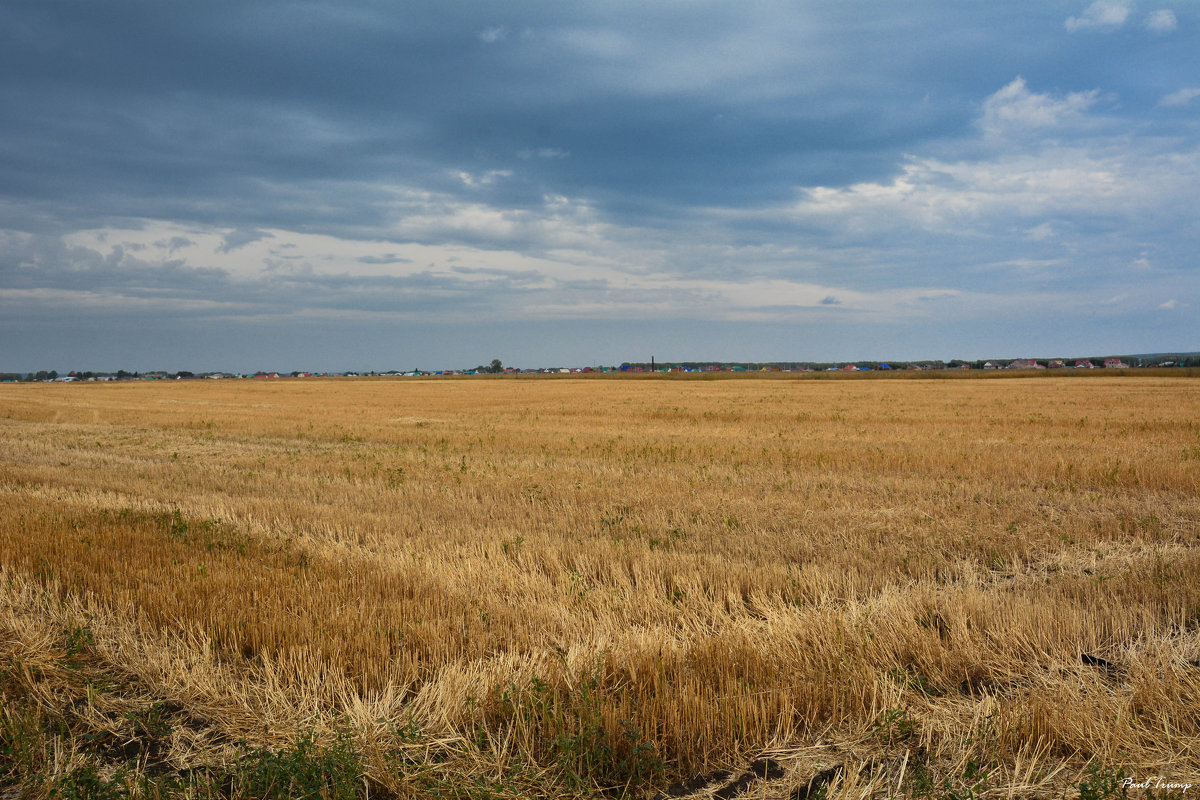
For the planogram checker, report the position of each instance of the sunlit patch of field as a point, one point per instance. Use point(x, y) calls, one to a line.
point(519, 587)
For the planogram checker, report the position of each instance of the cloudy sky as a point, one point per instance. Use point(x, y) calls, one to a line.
point(360, 184)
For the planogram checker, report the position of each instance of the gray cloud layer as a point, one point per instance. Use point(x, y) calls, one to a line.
point(462, 163)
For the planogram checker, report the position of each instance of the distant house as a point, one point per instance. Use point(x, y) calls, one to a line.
point(1024, 363)
point(1083, 363)
point(1057, 364)
point(1115, 363)
point(991, 365)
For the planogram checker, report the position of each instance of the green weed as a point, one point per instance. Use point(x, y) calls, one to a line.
point(306, 770)
point(1103, 783)
point(86, 783)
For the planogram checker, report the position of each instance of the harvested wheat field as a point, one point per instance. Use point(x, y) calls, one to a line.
point(512, 587)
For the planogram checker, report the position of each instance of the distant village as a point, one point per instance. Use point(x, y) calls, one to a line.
point(1159, 361)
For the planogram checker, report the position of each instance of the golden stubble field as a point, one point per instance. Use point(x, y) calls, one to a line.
point(520, 587)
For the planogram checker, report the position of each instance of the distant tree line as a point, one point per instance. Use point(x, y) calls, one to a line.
point(496, 366)
point(1169, 359)
point(52, 374)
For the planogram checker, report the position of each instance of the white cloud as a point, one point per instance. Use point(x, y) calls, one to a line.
point(1041, 233)
point(1161, 21)
point(982, 197)
point(1169, 305)
point(1180, 98)
point(1100, 15)
point(493, 35)
point(1015, 106)
point(1029, 184)
point(542, 152)
point(483, 178)
point(750, 49)
point(352, 276)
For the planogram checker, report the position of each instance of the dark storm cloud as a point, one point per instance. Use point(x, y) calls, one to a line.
point(175, 242)
point(139, 107)
point(46, 262)
point(144, 105)
point(240, 237)
point(384, 259)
